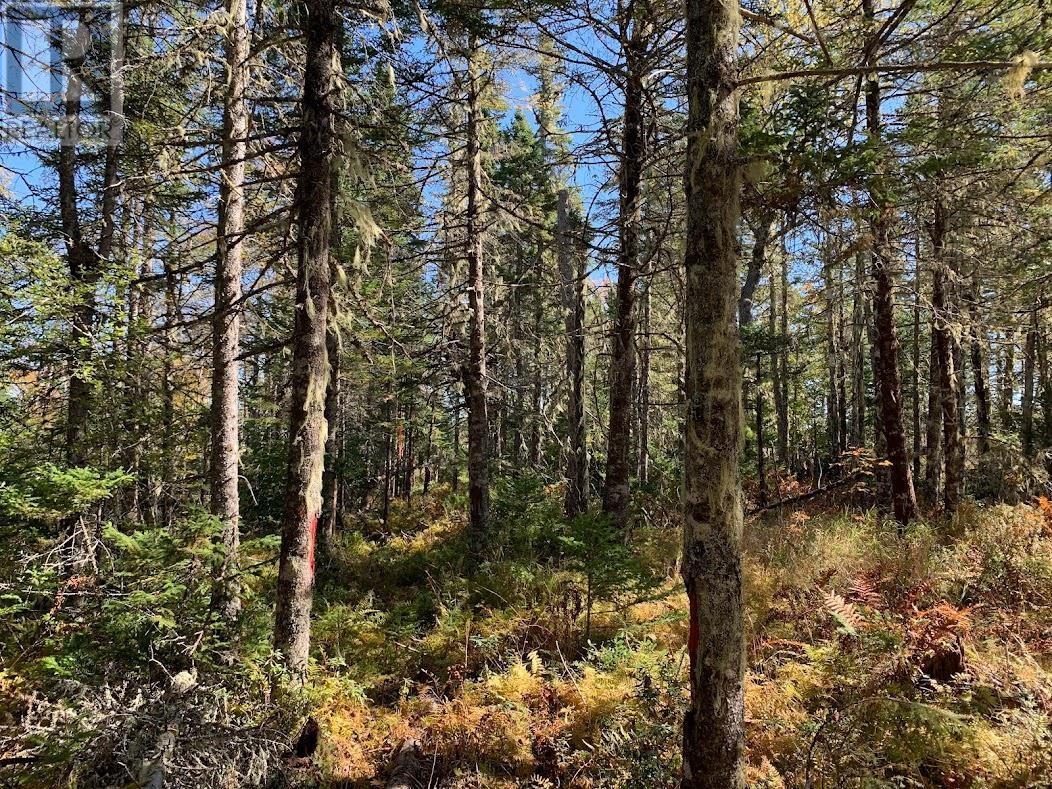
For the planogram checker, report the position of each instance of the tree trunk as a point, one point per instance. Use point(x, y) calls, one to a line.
point(536, 417)
point(982, 393)
point(330, 488)
point(475, 381)
point(761, 467)
point(643, 385)
point(858, 354)
point(915, 373)
point(942, 334)
point(573, 309)
point(226, 322)
point(761, 236)
point(1029, 356)
point(713, 729)
point(310, 365)
point(617, 492)
point(1006, 396)
point(933, 430)
point(166, 497)
point(782, 379)
point(832, 352)
point(904, 500)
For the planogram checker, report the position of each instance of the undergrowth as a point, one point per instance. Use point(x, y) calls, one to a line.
point(874, 660)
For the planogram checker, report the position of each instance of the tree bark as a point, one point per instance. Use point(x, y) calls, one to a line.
point(1006, 396)
point(713, 729)
point(617, 491)
point(761, 237)
point(643, 383)
point(904, 500)
point(330, 487)
point(475, 380)
point(761, 466)
point(942, 334)
point(781, 380)
point(933, 428)
point(310, 365)
point(573, 309)
point(858, 355)
point(916, 356)
point(226, 322)
point(979, 371)
point(1029, 356)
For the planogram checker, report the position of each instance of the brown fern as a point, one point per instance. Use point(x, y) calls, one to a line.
point(864, 591)
point(845, 613)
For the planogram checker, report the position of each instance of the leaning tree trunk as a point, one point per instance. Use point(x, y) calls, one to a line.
point(310, 365)
point(903, 498)
point(761, 237)
point(616, 491)
point(226, 322)
point(713, 729)
point(573, 308)
point(475, 368)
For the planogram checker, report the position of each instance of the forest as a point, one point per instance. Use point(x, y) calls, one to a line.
point(612, 393)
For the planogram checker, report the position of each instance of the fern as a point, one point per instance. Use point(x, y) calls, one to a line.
point(863, 591)
point(847, 617)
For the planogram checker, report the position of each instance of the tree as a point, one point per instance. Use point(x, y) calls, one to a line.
point(226, 321)
point(475, 378)
point(713, 729)
point(636, 29)
point(886, 358)
point(310, 364)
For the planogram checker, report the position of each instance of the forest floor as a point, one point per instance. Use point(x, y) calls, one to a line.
point(874, 659)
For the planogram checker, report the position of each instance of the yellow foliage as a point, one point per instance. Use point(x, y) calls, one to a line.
point(517, 684)
point(591, 698)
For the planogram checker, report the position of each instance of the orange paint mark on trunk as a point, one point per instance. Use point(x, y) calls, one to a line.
point(312, 541)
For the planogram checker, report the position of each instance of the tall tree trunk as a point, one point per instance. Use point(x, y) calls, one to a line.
point(832, 352)
point(904, 500)
point(475, 381)
point(617, 492)
point(979, 371)
point(858, 354)
point(536, 416)
point(761, 466)
point(226, 322)
point(933, 425)
point(915, 373)
point(1029, 356)
point(713, 729)
point(573, 310)
point(330, 481)
point(643, 384)
point(1006, 382)
point(166, 497)
point(942, 334)
point(310, 365)
point(781, 380)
